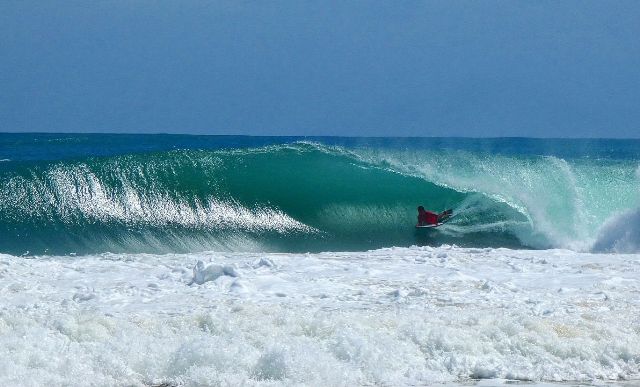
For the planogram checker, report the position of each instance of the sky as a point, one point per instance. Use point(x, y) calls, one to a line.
point(357, 68)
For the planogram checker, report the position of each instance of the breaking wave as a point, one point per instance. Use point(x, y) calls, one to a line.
point(306, 196)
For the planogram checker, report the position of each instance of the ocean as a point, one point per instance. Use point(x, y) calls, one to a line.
point(237, 260)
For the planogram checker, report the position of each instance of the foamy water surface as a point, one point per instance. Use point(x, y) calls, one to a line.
point(399, 316)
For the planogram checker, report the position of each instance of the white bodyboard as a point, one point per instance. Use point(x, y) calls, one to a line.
point(437, 224)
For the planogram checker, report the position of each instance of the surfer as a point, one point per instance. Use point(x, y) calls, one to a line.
point(427, 217)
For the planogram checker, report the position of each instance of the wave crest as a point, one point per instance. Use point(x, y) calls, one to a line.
point(306, 197)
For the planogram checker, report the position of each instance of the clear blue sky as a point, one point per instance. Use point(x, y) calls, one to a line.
point(427, 68)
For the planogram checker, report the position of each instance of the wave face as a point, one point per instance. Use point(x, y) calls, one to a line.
point(73, 194)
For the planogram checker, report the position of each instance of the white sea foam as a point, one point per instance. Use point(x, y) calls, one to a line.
point(393, 316)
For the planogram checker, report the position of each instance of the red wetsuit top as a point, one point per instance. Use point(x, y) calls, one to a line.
point(427, 217)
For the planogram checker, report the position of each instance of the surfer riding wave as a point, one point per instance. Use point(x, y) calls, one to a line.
point(426, 218)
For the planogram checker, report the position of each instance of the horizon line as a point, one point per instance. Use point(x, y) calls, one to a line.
point(320, 135)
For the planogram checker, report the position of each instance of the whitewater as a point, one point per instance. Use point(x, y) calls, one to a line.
point(397, 316)
point(226, 260)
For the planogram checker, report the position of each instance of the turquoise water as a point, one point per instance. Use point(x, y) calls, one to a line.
point(69, 193)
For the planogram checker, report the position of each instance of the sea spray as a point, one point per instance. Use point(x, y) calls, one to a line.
point(621, 232)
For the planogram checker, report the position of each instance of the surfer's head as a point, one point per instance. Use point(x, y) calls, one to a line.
point(420, 209)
